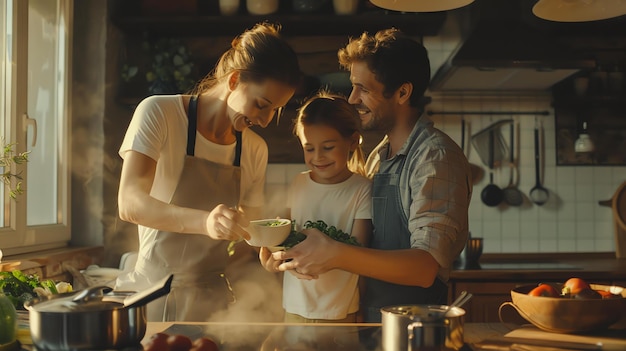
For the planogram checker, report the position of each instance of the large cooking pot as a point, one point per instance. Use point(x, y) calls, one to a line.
point(96, 318)
point(432, 327)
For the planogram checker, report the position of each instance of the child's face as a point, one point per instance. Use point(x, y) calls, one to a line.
point(326, 153)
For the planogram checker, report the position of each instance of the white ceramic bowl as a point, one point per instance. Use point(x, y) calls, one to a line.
point(268, 232)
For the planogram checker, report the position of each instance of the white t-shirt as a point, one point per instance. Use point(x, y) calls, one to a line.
point(158, 129)
point(335, 293)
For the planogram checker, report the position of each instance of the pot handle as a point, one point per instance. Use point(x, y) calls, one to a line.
point(159, 289)
point(94, 291)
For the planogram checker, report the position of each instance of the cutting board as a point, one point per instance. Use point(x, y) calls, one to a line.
point(611, 339)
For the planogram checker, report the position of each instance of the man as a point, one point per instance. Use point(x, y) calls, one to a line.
point(421, 185)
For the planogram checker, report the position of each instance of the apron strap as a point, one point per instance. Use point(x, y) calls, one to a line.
point(192, 115)
point(191, 130)
point(237, 150)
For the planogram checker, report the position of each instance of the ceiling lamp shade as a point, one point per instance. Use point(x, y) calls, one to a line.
point(421, 5)
point(579, 10)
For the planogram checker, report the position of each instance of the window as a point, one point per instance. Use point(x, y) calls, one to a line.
point(34, 101)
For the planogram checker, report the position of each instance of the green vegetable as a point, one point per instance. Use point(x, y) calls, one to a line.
point(293, 239)
point(296, 237)
point(49, 284)
point(8, 320)
point(19, 287)
point(275, 223)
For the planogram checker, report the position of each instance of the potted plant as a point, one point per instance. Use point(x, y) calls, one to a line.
point(170, 69)
point(7, 159)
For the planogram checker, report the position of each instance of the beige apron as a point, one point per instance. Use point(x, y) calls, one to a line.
point(200, 287)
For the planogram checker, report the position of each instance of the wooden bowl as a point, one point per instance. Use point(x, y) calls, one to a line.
point(569, 315)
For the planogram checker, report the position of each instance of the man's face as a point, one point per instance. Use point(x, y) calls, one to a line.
point(367, 96)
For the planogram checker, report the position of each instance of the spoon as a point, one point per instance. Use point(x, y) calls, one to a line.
point(538, 193)
point(463, 297)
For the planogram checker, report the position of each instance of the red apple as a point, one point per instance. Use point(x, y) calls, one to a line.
point(546, 290)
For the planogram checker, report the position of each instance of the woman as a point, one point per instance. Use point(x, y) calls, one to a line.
point(193, 173)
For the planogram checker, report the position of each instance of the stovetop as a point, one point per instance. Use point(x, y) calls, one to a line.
point(288, 337)
point(284, 337)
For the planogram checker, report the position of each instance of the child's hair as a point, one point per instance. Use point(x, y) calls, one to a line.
point(332, 110)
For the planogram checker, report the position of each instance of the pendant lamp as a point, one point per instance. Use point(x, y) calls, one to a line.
point(420, 5)
point(579, 10)
point(584, 142)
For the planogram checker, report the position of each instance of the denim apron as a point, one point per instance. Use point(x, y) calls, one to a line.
point(391, 233)
point(200, 287)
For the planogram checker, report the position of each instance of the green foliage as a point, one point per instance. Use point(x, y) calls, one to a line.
point(171, 69)
point(296, 237)
point(7, 159)
point(18, 287)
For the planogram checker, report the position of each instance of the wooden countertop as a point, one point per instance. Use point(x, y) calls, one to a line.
point(594, 267)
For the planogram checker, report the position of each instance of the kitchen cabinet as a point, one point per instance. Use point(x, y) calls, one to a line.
point(206, 21)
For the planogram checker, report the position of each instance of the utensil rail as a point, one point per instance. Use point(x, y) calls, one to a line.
point(489, 113)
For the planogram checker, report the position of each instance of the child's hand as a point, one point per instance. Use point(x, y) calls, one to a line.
point(268, 261)
point(299, 275)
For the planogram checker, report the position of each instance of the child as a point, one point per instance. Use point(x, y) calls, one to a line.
point(333, 190)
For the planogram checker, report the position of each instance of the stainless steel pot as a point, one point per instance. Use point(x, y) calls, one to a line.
point(96, 318)
point(432, 327)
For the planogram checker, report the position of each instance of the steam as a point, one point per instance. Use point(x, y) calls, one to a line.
point(258, 293)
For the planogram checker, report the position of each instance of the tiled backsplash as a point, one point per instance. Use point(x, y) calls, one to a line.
point(571, 220)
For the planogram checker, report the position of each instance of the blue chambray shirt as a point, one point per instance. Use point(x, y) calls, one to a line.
point(435, 188)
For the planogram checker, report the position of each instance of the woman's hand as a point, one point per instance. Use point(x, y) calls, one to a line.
point(225, 223)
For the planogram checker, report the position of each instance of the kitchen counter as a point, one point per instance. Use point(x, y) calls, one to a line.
point(492, 280)
point(595, 267)
point(366, 336)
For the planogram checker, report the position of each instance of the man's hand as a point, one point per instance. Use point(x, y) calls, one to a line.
point(313, 256)
point(271, 264)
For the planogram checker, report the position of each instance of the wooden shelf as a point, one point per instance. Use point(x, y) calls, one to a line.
point(316, 24)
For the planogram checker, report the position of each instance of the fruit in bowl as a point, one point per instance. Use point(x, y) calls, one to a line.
point(589, 309)
point(268, 232)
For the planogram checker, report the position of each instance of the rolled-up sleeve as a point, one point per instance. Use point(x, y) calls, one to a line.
point(439, 193)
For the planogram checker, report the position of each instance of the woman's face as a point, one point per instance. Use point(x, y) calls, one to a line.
point(256, 103)
point(326, 153)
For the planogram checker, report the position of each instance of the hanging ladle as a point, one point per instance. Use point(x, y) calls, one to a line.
point(492, 194)
point(512, 195)
point(538, 194)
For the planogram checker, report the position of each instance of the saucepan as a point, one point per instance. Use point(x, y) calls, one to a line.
point(96, 318)
point(424, 327)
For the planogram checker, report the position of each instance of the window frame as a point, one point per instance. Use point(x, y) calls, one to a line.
point(18, 237)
